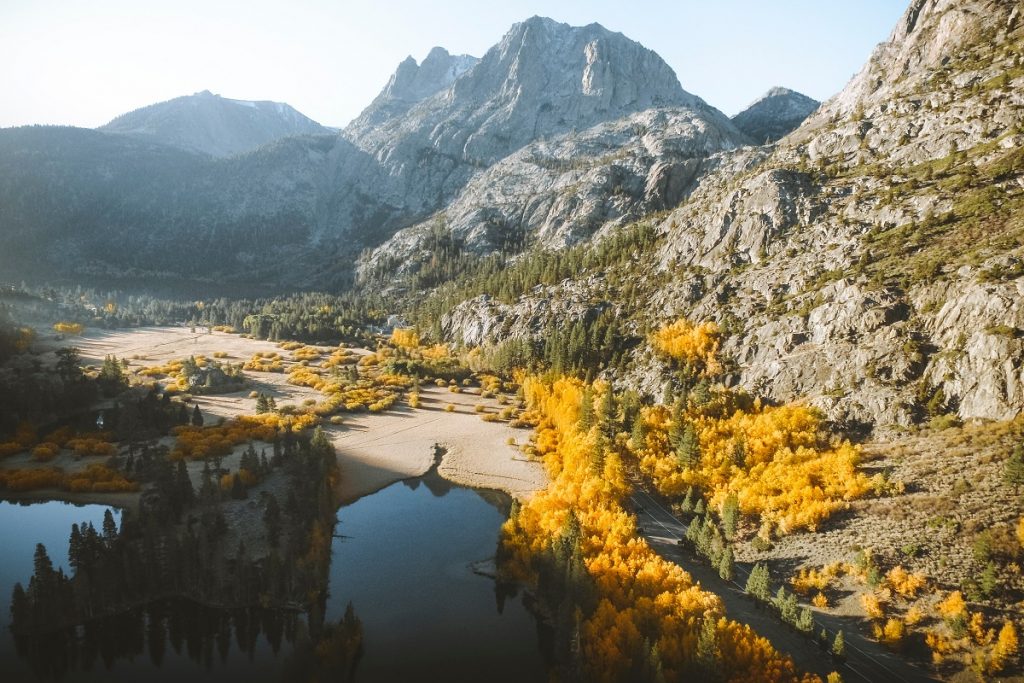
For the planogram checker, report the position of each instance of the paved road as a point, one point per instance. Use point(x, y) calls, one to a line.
point(866, 660)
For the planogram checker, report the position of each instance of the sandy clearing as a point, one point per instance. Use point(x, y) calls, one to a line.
point(159, 345)
point(374, 450)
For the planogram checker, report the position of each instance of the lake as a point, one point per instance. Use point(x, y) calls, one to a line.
point(401, 557)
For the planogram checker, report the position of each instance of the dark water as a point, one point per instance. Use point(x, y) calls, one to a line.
point(402, 559)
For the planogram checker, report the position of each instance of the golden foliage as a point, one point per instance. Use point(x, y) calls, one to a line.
point(810, 579)
point(873, 607)
point(640, 594)
point(1005, 649)
point(905, 583)
point(892, 633)
point(219, 440)
point(45, 452)
point(787, 474)
point(694, 345)
point(68, 328)
point(30, 479)
point(953, 607)
point(405, 337)
point(99, 478)
point(96, 477)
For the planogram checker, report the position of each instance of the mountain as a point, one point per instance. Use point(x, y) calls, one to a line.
point(870, 261)
point(299, 210)
point(542, 79)
point(214, 125)
point(775, 114)
point(412, 83)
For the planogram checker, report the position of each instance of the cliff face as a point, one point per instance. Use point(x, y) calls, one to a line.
point(872, 259)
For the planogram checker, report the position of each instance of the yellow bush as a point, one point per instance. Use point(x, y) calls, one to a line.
point(405, 337)
point(68, 328)
point(873, 607)
point(449, 408)
point(891, 634)
point(953, 607)
point(695, 345)
point(1005, 649)
point(820, 601)
point(903, 582)
point(45, 452)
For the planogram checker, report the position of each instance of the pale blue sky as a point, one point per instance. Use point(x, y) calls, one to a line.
point(82, 62)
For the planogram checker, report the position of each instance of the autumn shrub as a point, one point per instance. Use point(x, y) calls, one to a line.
point(695, 345)
point(64, 327)
point(45, 452)
point(99, 478)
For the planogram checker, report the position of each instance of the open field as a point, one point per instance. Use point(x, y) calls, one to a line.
point(374, 449)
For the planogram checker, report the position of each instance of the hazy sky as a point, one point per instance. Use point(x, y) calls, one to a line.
point(82, 62)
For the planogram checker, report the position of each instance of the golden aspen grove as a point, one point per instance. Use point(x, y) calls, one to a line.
point(636, 614)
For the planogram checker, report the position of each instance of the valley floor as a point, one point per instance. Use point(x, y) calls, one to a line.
point(374, 449)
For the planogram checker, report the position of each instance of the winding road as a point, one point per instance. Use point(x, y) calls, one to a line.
point(866, 660)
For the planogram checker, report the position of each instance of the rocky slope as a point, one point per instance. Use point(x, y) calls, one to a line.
point(214, 125)
point(872, 260)
point(775, 114)
point(566, 190)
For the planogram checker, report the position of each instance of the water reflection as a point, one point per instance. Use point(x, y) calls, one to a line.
point(400, 589)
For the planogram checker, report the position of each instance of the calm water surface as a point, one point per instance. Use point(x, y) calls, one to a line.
point(401, 557)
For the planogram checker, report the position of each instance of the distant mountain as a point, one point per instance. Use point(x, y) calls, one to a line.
point(164, 191)
point(214, 125)
point(775, 114)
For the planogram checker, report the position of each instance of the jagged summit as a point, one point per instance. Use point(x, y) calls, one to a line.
point(214, 125)
point(413, 82)
point(775, 114)
point(542, 79)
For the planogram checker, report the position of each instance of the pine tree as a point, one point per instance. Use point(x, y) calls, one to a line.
point(687, 505)
point(805, 620)
point(197, 417)
point(75, 548)
point(707, 645)
point(262, 405)
point(726, 567)
point(730, 515)
point(109, 528)
point(587, 409)
point(839, 646)
point(759, 583)
point(638, 438)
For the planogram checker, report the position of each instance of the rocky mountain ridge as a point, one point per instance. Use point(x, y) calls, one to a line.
point(214, 125)
point(434, 128)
